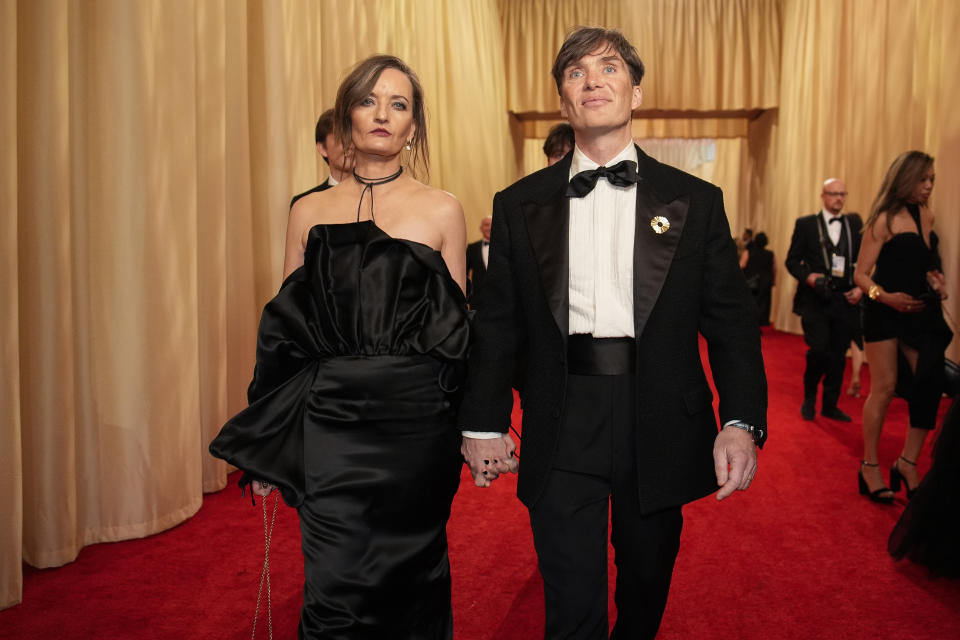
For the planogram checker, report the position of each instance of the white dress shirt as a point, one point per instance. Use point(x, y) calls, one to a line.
point(833, 229)
point(485, 252)
point(602, 226)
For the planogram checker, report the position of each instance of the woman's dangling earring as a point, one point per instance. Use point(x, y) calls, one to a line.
point(408, 146)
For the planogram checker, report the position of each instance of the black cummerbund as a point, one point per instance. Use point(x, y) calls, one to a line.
point(591, 356)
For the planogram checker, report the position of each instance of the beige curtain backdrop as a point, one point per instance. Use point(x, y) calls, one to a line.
point(861, 82)
point(716, 58)
point(701, 55)
point(152, 148)
point(11, 469)
point(846, 85)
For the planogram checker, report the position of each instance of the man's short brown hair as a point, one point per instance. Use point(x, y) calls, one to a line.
point(324, 127)
point(585, 40)
point(560, 137)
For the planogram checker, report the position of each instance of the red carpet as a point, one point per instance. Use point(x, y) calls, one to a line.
point(799, 555)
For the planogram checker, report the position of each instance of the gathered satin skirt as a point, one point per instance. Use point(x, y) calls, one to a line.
point(381, 466)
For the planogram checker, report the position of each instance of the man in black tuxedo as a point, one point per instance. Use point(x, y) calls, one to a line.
point(822, 257)
point(603, 270)
point(478, 254)
point(331, 151)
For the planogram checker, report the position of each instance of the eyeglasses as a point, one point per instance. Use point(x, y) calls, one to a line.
point(834, 194)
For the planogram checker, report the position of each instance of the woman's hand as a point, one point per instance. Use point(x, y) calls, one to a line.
point(903, 302)
point(937, 283)
point(261, 488)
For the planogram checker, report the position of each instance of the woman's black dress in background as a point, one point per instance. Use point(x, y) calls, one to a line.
point(352, 415)
point(759, 274)
point(902, 265)
point(928, 531)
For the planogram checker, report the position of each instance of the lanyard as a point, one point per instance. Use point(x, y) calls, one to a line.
point(821, 223)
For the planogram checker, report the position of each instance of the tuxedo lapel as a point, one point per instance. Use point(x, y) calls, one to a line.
point(548, 223)
point(652, 251)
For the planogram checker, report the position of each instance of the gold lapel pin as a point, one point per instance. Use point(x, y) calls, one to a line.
point(659, 224)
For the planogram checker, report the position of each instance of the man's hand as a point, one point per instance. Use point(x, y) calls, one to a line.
point(734, 460)
point(812, 278)
point(487, 459)
point(853, 296)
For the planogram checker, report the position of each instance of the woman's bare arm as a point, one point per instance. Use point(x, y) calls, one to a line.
point(453, 248)
point(873, 238)
point(296, 227)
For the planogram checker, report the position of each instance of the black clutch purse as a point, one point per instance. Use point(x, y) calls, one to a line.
point(929, 297)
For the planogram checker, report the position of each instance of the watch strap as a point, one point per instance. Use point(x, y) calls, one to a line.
point(759, 433)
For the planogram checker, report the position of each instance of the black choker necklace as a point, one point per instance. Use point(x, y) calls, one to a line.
point(369, 184)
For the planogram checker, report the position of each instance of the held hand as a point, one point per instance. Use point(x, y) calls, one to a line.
point(261, 488)
point(812, 279)
point(904, 303)
point(853, 296)
point(734, 460)
point(488, 458)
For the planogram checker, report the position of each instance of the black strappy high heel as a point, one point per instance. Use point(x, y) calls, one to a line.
point(865, 490)
point(896, 477)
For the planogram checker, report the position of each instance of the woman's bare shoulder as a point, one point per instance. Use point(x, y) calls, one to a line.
point(319, 200)
point(878, 227)
point(328, 206)
point(438, 203)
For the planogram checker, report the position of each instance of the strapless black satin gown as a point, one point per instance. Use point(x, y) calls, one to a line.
point(352, 414)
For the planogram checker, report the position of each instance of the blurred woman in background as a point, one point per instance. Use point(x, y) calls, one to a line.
point(759, 269)
point(899, 270)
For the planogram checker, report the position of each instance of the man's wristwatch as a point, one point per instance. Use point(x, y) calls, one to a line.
point(759, 433)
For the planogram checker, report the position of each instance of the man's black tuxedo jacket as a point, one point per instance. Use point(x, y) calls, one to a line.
point(805, 255)
point(323, 186)
point(475, 269)
point(686, 281)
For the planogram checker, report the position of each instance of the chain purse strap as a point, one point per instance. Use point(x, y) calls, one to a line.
point(265, 572)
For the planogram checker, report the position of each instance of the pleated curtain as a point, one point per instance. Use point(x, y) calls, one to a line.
point(861, 81)
point(150, 152)
point(151, 148)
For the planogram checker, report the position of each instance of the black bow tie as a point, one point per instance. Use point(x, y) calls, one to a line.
point(622, 174)
point(484, 243)
point(836, 219)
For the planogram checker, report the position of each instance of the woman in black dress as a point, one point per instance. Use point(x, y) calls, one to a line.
point(899, 270)
point(359, 356)
point(929, 528)
point(759, 269)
